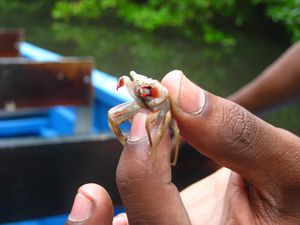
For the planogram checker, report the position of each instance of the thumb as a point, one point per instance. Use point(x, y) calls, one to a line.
point(92, 205)
point(230, 135)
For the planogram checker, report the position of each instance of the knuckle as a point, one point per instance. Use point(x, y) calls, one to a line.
point(241, 127)
point(131, 176)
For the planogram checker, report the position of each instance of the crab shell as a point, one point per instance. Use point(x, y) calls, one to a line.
point(147, 92)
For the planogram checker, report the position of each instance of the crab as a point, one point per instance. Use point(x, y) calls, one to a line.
point(152, 95)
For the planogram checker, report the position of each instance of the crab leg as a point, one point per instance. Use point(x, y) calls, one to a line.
point(174, 127)
point(119, 114)
point(150, 119)
point(116, 129)
point(163, 128)
point(160, 132)
point(168, 122)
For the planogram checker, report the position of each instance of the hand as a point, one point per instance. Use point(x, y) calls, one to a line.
point(264, 189)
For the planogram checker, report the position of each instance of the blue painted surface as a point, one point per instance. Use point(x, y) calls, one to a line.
point(62, 120)
point(35, 53)
point(53, 220)
point(19, 127)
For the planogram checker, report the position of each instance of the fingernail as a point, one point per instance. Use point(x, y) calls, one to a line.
point(138, 130)
point(120, 219)
point(191, 98)
point(82, 208)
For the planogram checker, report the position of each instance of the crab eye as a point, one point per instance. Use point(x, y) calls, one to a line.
point(120, 82)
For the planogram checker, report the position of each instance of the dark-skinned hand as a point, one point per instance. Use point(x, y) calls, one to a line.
point(260, 186)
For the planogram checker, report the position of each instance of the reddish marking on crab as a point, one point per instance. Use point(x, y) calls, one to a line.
point(118, 114)
point(120, 82)
point(144, 95)
point(153, 92)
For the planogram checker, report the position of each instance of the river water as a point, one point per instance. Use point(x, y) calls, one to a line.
point(117, 49)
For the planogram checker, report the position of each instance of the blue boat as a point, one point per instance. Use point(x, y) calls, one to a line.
point(60, 121)
point(42, 172)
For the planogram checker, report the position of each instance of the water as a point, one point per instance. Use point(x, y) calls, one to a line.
point(117, 49)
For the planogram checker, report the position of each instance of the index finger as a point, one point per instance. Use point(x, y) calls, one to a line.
point(146, 189)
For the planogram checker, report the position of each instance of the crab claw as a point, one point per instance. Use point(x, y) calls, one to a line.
point(120, 82)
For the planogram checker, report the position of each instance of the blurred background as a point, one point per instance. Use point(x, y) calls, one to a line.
point(220, 45)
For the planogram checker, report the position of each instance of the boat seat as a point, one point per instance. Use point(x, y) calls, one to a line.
point(29, 90)
point(10, 40)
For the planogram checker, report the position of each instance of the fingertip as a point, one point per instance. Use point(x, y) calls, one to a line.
point(174, 74)
point(95, 192)
point(138, 130)
point(120, 219)
point(92, 205)
point(172, 81)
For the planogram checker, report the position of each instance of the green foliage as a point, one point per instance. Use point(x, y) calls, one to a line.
point(29, 6)
point(286, 12)
point(87, 9)
point(205, 19)
point(191, 18)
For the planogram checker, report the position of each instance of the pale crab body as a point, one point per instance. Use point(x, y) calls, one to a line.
point(146, 91)
point(150, 94)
